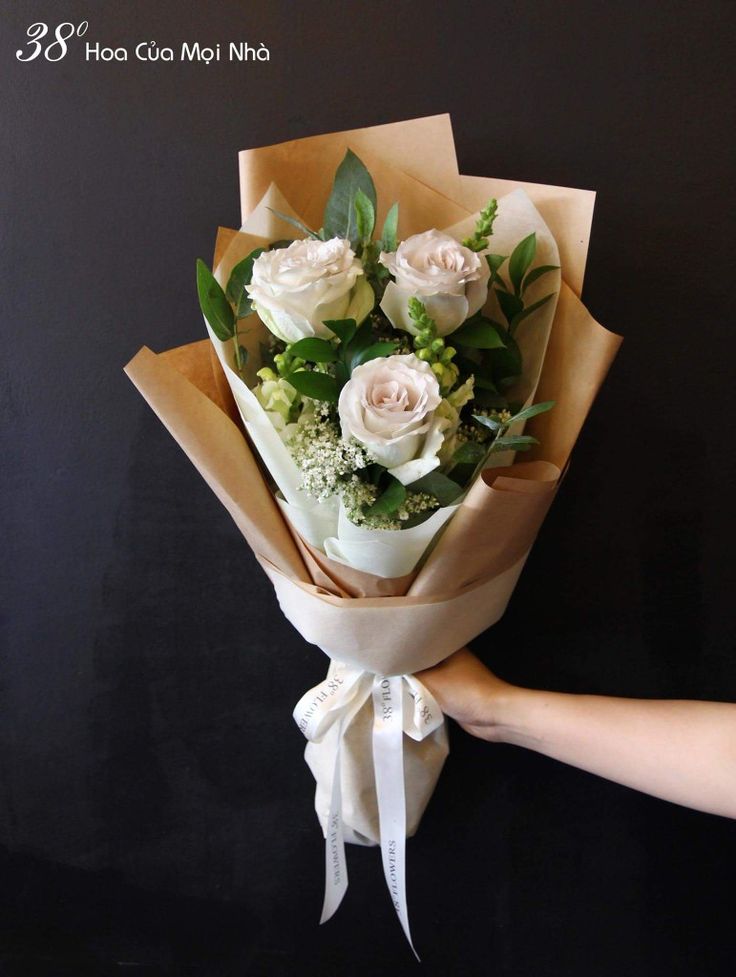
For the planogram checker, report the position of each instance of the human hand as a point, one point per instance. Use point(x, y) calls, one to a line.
point(470, 693)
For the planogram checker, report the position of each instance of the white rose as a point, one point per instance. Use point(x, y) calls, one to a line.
point(388, 406)
point(449, 279)
point(295, 289)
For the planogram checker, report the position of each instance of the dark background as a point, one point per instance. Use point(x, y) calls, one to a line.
point(156, 815)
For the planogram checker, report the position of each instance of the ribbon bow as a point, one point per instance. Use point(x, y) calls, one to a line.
point(401, 704)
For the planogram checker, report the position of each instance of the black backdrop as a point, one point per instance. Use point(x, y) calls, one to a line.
point(156, 815)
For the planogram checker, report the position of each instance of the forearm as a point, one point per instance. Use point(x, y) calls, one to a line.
point(677, 750)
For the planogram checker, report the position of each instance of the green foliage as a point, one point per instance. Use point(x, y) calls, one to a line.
point(444, 489)
point(390, 229)
point(469, 453)
point(523, 313)
point(241, 276)
point(318, 386)
point(314, 350)
point(365, 216)
point(391, 499)
point(532, 411)
point(521, 259)
point(296, 223)
point(340, 218)
point(480, 333)
point(511, 305)
point(344, 329)
point(372, 352)
point(214, 304)
point(535, 274)
point(521, 442)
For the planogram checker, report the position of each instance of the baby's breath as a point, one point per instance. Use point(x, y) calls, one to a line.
point(324, 458)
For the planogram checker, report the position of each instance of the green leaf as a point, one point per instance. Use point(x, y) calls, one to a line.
point(438, 485)
point(521, 442)
point(390, 229)
point(362, 339)
point(365, 216)
point(318, 386)
point(241, 276)
point(489, 422)
point(469, 453)
point(532, 411)
point(529, 309)
point(389, 500)
point(373, 352)
point(520, 260)
point(480, 333)
point(214, 304)
point(314, 350)
point(283, 242)
point(487, 398)
point(296, 223)
point(340, 218)
point(505, 362)
point(495, 261)
point(243, 355)
point(511, 305)
point(344, 329)
point(483, 383)
point(537, 273)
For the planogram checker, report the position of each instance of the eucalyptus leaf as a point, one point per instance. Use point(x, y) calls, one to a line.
point(520, 442)
point(318, 386)
point(490, 422)
point(469, 453)
point(296, 223)
point(521, 259)
point(389, 500)
point(390, 229)
point(536, 273)
point(314, 350)
point(340, 218)
point(344, 329)
point(214, 304)
point(480, 333)
point(444, 489)
point(365, 216)
point(532, 411)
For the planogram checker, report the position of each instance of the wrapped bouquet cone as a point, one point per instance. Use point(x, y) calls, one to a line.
point(358, 407)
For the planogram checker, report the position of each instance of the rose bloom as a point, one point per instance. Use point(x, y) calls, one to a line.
point(295, 289)
point(449, 279)
point(388, 406)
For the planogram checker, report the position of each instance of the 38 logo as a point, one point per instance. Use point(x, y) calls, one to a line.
point(52, 50)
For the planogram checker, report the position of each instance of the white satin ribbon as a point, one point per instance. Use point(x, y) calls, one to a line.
point(401, 704)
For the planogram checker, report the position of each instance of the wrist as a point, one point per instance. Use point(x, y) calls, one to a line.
point(512, 708)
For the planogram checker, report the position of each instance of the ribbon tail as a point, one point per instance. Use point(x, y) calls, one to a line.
point(336, 867)
point(388, 760)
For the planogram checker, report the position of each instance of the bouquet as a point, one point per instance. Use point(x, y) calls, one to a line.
point(387, 335)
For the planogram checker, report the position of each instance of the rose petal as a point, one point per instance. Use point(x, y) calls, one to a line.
point(448, 311)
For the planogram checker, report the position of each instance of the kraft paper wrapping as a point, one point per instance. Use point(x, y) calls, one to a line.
point(403, 625)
